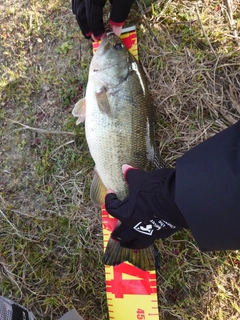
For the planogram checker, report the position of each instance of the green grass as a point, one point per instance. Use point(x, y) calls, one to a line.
point(51, 238)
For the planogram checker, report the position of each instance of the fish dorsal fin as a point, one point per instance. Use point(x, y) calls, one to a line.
point(98, 190)
point(102, 101)
point(80, 110)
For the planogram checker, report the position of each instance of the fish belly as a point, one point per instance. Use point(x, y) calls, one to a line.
point(122, 137)
point(110, 146)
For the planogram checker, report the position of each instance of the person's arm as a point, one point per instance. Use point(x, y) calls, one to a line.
point(202, 194)
point(208, 190)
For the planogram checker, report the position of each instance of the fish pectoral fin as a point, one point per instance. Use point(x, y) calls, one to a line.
point(80, 110)
point(102, 101)
point(98, 191)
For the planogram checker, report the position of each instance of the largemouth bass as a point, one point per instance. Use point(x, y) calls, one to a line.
point(119, 127)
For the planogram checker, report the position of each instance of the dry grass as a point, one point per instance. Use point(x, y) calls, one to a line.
point(194, 87)
point(195, 83)
point(51, 241)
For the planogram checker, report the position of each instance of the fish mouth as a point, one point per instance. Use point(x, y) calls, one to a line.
point(107, 39)
point(106, 43)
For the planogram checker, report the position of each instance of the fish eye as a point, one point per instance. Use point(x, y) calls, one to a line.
point(118, 46)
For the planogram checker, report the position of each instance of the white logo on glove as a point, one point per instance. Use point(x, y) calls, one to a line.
point(149, 228)
point(145, 229)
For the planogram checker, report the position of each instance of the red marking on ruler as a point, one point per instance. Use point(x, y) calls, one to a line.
point(109, 223)
point(130, 40)
point(140, 285)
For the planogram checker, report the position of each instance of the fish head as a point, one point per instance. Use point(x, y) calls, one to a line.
point(110, 64)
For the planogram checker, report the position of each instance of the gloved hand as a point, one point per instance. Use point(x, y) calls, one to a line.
point(149, 211)
point(89, 16)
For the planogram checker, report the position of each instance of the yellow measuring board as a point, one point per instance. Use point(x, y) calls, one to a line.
point(129, 38)
point(131, 292)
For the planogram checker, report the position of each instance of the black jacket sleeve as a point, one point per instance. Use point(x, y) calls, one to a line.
point(208, 190)
point(120, 10)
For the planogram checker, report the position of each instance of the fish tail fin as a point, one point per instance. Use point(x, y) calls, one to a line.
point(145, 259)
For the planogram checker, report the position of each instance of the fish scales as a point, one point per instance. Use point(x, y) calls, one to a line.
point(119, 127)
point(122, 137)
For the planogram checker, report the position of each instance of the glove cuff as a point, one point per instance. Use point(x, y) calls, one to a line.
point(117, 24)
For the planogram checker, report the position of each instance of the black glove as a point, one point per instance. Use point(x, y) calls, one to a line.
point(89, 15)
point(149, 212)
